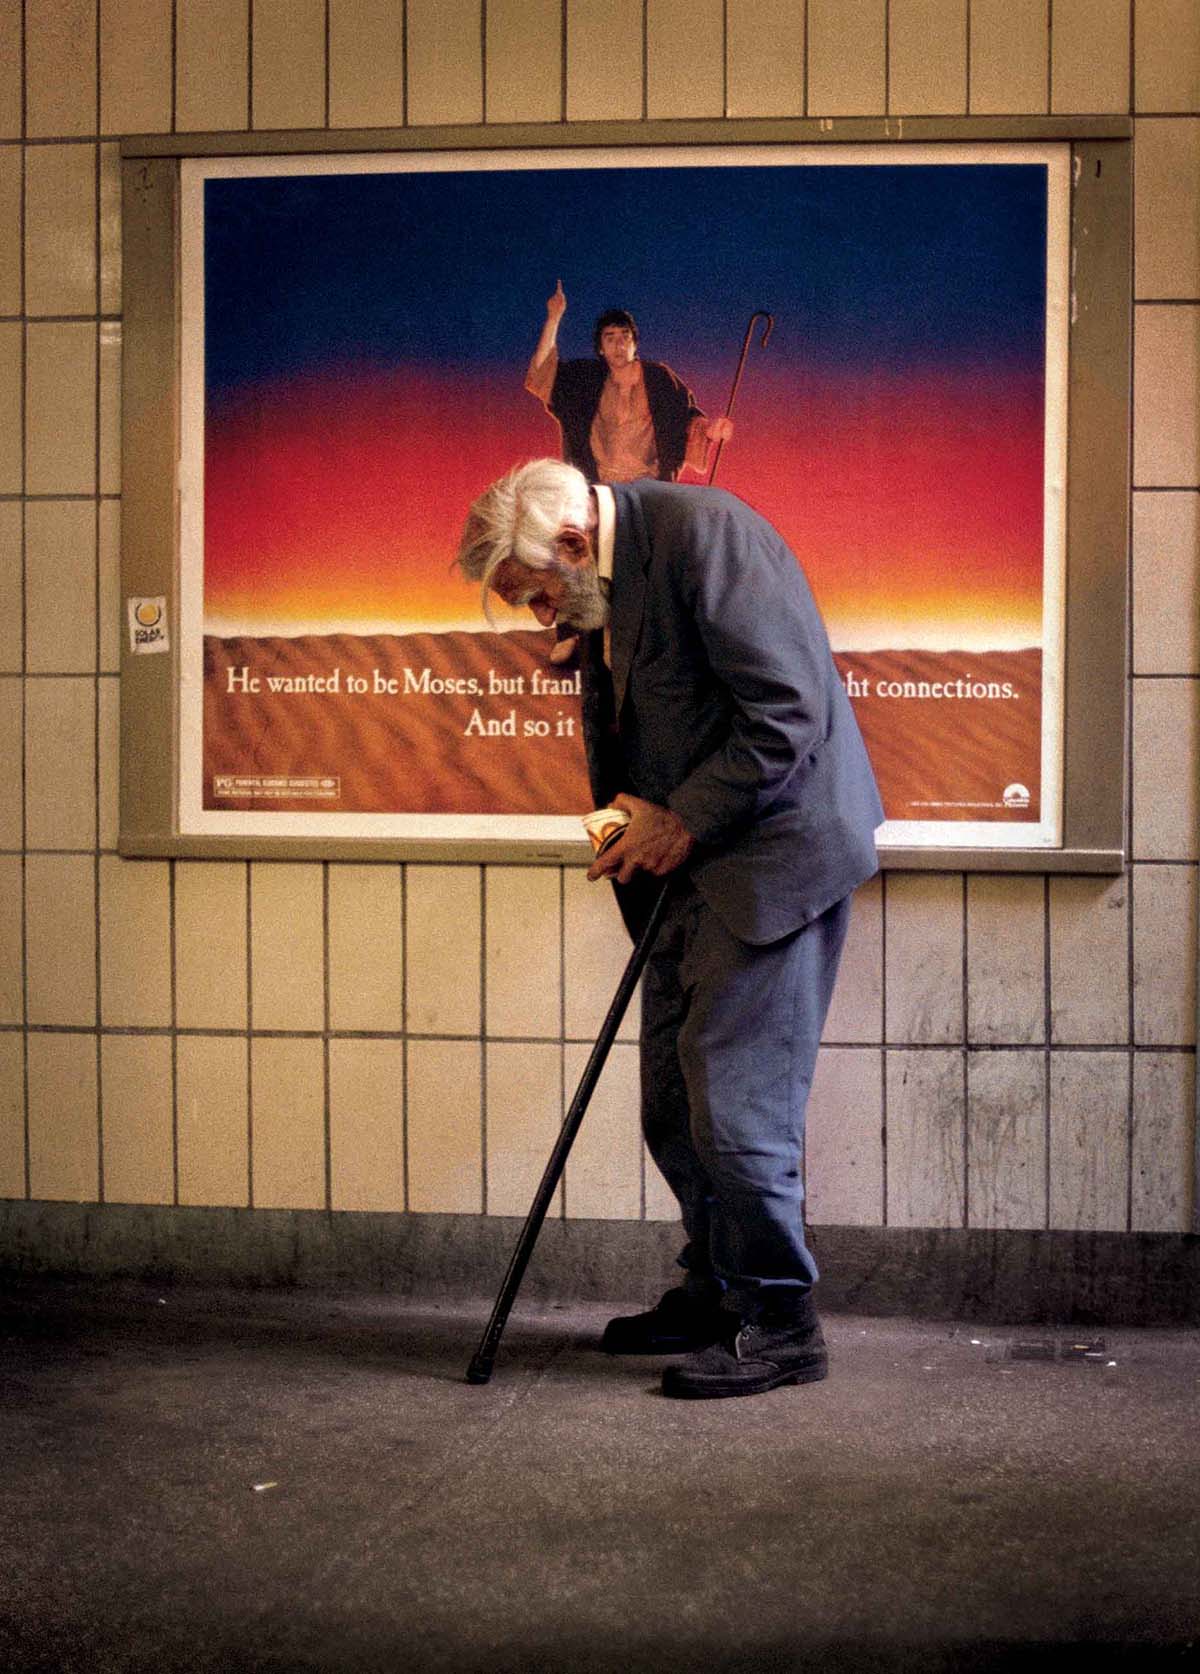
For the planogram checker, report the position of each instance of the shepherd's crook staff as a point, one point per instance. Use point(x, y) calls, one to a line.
point(758, 314)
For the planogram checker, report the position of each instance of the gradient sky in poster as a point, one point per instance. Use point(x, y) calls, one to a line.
point(366, 337)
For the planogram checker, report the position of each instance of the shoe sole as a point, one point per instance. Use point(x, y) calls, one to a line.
point(680, 1387)
point(664, 1345)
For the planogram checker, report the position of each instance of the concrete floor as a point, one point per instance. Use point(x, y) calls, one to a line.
point(253, 1480)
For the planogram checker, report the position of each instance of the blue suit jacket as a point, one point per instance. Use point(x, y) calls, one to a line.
point(730, 711)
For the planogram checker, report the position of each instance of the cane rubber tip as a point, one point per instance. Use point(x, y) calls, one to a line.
point(479, 1371)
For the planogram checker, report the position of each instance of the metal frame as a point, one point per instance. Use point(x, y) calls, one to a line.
point(1094, 754)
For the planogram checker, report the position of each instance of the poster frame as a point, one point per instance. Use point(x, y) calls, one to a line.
point(1094, 753)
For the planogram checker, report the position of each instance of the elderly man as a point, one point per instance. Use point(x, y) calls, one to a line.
point(620, 417)
point(714, 715)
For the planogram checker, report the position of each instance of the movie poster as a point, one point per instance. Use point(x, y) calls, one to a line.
point(356, 336)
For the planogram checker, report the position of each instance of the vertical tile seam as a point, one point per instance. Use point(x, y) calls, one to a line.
point(249, 1035)
point(1047, 986)
point(327, 1083)
point(563, 55)
point(97, 418)
point(483, 1052)
point(328, 75)
point(24, 485)
point(404, 1172)
point(883, 1050)
point(964, 1216)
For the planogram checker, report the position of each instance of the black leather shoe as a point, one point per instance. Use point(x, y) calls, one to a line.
point(678, 1324)
point(751, 1357)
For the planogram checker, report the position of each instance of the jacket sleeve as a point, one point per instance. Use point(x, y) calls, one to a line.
point(768, 656)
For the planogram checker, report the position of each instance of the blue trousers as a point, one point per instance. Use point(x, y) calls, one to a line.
point(729, 1042)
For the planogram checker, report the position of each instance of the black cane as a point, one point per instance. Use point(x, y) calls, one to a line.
point(480, 1369)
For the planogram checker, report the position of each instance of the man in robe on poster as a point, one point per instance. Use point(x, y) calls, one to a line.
point(715, 717)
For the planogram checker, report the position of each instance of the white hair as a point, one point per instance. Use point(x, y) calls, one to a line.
point(520, 517)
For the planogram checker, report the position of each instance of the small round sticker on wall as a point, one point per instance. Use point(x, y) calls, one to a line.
point(148, 625)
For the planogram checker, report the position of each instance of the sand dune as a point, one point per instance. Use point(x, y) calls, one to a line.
point(412, 737)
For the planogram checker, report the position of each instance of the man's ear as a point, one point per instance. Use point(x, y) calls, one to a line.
point(572, 545)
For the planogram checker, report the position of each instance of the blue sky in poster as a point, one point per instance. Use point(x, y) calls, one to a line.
point(903, 266)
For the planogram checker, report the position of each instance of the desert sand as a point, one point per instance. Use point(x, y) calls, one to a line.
point(415, 737)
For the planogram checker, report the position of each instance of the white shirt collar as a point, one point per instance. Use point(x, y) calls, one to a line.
point(606, 529)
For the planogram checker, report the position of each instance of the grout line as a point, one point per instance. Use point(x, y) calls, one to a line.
point(327, 1034)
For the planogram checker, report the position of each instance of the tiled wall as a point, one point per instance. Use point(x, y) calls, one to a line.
point(1004, 1051)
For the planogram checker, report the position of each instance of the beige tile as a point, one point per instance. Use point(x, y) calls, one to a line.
point(524, 1111)
point(60, 932)
point(12, 349)
point(64, 1148)
point(136, 1124)
point(857, 1010)
point(443, 950)
point(924, 956)
point(927, 57)
point(1166, 573)
point(524, 964)
point(661, 1204)
point(1010, 57)
point(110, 407)
point(11, 581)
point(12, 950)
point(135, 943)
point(11, 58)
point(210, 944)
point(135, 66)
point(843, 1146)
point(288, 77)
point(847, 58)
point(1166, 201)
point(287, 1090)
point(1089, 1161)
point(60, 586)
point(1006, 1139)
point(604, 1173)
point(10, 229)
point(765, 58)
point(12, 1116)
point(366, 63)
point(110, 229)
point(925, 1138)
point(603, 85)
point(1006, 963)
point(597, 952)
point(214, 1133)
point(108, 766)
point(1164, 1148)
point(60, 229)
point(1166, 731)
point(1166, 397)
point(445, 61)
point(60, 763)
point(524, 61)
point(366, 1124)
point(212, 51)
point(1089, 961)
point(1089, 56)
point(445, 1132)
point(109, 540)
point(287, 957)
point(366, 947)
point(60, 68)
point(60, 408)
point(1164, 955)
point(11, 818)
point(1167, 55)
point(685, 58)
